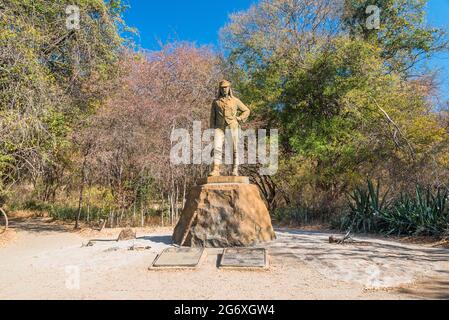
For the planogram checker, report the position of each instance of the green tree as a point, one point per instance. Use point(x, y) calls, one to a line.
point(403, 34)
point(51, 77)
point(343, 110)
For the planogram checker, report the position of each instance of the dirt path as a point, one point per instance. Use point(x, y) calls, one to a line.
point(42, 260)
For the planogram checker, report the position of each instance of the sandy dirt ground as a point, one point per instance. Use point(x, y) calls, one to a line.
point(42, 260)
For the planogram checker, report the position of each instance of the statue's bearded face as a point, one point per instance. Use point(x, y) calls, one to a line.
point(224, 91)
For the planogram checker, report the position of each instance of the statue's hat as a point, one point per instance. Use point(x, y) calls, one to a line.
point(224, 83)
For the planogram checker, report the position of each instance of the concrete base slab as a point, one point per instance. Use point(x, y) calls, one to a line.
point(244, 258)
point(179, 258)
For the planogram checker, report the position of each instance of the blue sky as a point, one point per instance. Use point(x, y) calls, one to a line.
point(200, 20)
point(194, 20)
point(438, 15)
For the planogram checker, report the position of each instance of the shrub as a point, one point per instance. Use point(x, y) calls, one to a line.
point(366, 208)
point(292, 215)
point(426, 212)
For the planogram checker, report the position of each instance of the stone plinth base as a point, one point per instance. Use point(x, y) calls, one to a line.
point(224, 215)
point(224, 179)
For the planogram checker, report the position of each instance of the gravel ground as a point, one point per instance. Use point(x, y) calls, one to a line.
point(44, 261)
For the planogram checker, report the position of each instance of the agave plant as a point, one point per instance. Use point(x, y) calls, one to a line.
point(366, 207)
point(431, 211)
point(424, 213)
point(399, 219)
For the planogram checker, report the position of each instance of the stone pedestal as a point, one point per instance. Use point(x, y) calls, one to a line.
point(224, 212)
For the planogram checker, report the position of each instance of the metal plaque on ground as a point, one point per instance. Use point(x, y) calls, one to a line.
point(244, 258)
point(179, 258)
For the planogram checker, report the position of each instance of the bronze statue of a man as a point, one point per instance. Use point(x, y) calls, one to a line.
point(224, 115)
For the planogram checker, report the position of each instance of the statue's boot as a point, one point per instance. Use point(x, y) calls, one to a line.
point(235, 171)
point(215, 172)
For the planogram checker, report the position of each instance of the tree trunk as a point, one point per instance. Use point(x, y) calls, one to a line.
point(134, 214)
point(184, 193)
point(142, 216)
point(80, 200)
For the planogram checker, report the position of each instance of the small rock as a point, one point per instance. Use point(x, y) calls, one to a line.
point(89, 244)
point(127, 234)
point(139, 248)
